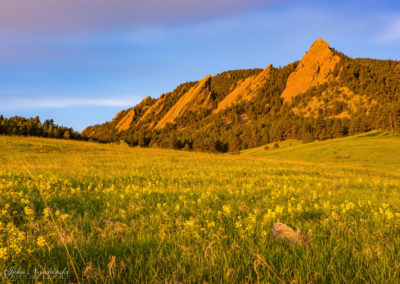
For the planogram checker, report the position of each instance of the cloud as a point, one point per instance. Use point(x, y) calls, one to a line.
point(58, 16)
point(18, 102)
point(391, 32)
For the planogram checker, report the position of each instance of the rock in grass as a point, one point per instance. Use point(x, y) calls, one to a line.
point(284, 232)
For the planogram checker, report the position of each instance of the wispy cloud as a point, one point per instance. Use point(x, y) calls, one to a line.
point(391, 32)
point(76, 15)
point(63, 102)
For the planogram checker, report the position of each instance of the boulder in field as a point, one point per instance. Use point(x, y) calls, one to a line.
point(284, 232)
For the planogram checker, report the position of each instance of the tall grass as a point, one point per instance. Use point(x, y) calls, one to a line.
point(147, 215)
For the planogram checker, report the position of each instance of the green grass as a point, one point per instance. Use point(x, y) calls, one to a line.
point(369, 150)
point(150, 215)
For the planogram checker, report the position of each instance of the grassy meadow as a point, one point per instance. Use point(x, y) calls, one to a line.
point(111, 213)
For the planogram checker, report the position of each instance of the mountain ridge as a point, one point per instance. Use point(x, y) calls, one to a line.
point(324, 95)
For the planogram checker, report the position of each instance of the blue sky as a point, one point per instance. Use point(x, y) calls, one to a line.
point(80, 62)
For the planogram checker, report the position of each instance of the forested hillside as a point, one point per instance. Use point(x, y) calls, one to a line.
point(325, 95)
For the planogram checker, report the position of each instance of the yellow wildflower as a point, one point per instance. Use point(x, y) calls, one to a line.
point(64, 217)
point(227, 209)
point(41, 241)
point(3, 253)
point(46, 212)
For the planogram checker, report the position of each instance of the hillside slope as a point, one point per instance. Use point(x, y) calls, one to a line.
point(325, 95)
point(367, 150)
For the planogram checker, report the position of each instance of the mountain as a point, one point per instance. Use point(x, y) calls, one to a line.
point(324, 95)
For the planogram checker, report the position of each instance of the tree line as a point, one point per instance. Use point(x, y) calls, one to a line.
point(34, 127)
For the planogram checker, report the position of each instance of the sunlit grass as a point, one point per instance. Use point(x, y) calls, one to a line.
point(143, 215)
point(378, 150)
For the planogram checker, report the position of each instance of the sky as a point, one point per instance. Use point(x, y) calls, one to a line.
point(80, 62)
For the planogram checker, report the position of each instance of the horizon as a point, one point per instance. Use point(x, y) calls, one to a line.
point(82, 70)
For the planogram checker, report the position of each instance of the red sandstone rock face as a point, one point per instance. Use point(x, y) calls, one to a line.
point(156, 108)
point(198, 97)
point(313, 70)
point(126, 121)
point(246, 90)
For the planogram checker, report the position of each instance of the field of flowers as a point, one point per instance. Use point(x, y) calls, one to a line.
point(84, 212)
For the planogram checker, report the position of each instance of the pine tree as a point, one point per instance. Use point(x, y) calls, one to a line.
point(354, 127)
point(337, 128)
point(320, 128)
point(67, 135)
point(234, 145)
